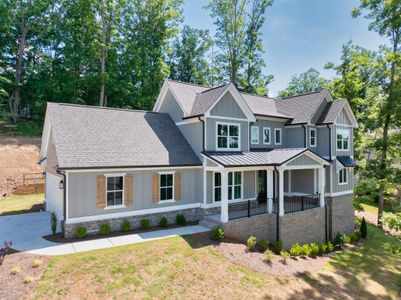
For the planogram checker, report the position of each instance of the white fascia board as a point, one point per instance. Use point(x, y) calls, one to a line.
point(275, 119)
point(111, 170)
point(162, 95)
point(311, 155)
point(45, 137)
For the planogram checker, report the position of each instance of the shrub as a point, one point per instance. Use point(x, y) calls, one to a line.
point(278, 246)
point(80, 232)
point(306, 251)
point(322, 248)
point(339, 239)
point(314, 249)
point(330, 246)
point(37, 263)
point(28, 279)
point(364, 229)
point(125, 226)
point(262, 244)
point(144, 224)
point(15, 270)
point(53, 222)
point(284, 256)
point(217, 233)
point(180, 219)
point(163, 222)
point(347, 239)
point(268, 255)
point(296, 250)
point(251, 243)
point(356, 236)
point(104, 229)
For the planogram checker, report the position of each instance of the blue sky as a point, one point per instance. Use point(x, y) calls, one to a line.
point(299, 34)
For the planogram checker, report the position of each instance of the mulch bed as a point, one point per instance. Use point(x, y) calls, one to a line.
point(58, 238)
point(13, 286)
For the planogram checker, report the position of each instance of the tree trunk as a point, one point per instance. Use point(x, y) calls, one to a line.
point(102, 58)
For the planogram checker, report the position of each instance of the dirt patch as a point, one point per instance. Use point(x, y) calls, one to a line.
point(13, 286)
point(18, 155)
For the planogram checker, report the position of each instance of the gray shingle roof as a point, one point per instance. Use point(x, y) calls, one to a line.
point(331, 112)
point(264, 106)
point(186, 93)
point(255, 158)
point(94, 137)
point(204, 100)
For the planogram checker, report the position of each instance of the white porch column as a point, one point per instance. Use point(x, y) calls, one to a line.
point(224, 197)
point(322, 181)
point(281, 192)
point(269, 185)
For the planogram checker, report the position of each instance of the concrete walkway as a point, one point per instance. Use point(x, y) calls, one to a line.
point(26, 231)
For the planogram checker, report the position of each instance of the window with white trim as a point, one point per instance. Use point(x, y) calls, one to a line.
point(217, 186)
point(115, 190)
point(166, 186)
point(277, 136)
point(342, 139)
point(234, 186)
point(312, 137)
point(266, 135)
point(228, 136)
point(343, 176)
point(254, 135)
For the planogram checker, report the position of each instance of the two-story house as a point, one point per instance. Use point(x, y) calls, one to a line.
point(274, 168)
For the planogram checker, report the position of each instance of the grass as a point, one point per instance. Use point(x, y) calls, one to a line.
point(187, 267)
point(18, 204)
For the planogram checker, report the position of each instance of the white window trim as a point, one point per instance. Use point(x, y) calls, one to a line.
point(160, 182)
point(233, 185)
point(310, 137)
point(281, 136)
point(339, 130)
point(228, 145)
point(270, 135)
point(257, 142)
point(221, 187)
point(339, 177)
point(214, 186)
point(122, 205)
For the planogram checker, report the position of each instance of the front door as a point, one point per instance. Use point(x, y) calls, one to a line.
point(262, 186)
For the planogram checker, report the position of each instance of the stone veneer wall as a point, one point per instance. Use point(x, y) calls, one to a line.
point(303, 227)
point(340, 214)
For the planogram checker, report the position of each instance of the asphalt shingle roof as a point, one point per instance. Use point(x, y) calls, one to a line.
point(331, 112)
point(264, 106)
point(347, 161)
point(186, 93)
point(204, 100)
point(93, 137)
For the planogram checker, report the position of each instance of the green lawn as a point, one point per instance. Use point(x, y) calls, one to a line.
point(12, 205)
point(189, 268)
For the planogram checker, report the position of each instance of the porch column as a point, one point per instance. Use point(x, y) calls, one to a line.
point(281, 192)
point(269, 185)
point(224, 197)
point(322, 181)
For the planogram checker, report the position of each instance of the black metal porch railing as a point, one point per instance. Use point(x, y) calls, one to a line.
point(246, 209)
point(298, 203)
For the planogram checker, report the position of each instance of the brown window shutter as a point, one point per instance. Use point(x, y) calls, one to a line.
point(128, 190)
point(155, 188)
point(177, 186)
point(100, 191)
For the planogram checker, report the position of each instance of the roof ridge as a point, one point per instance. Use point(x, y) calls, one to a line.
point(214, 88)
point(304, 94)
point(256, 95)
point(188, 83)
point(105, 107)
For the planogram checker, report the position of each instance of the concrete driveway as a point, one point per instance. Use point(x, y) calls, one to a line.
point(26, 231)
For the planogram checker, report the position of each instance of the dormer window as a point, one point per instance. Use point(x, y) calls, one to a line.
point(228, 136)
point(277, 136)
point(312, 137)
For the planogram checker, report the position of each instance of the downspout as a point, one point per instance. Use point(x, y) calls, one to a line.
point(305, 137)
point(330, 137)
point(278, 206)
point(62, 173)
point(203, 133)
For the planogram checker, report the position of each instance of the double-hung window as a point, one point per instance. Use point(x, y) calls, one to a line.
point(343, 176)
point(342, 139)
point(266, 135)
point(228, 136)
point(254, 135)
point(312, 137)
point(166, 187)
point(115, 190)
point(277, 136)
point(234, 186)
point(217, 186)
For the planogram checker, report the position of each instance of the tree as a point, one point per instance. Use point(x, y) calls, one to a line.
point(385, 19)
point(188, 60)
point(309, 81)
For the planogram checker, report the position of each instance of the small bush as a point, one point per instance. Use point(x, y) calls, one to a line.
point(364, 229)
point(393, 248)
point(284, 256)
point(28, 279)
point(163, 222)
point(217, 233)
point(269, 255)
point(53, 222)
point(80, 232)
point(125, 226)
point(251, 243)
point(296, 250)
point(15, 270)
point(262, 244)
point(37, 263)
point(314, 249)
point(339, 239)
point(180, 219)
point(144, 224)
point(278, 247)
point(104, 229)
point(356, 236)
point(330, 246)
point(322, 248)
point(347, 239)
point(306, 251)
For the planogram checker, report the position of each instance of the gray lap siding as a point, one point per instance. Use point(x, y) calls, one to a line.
point(82, 192)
